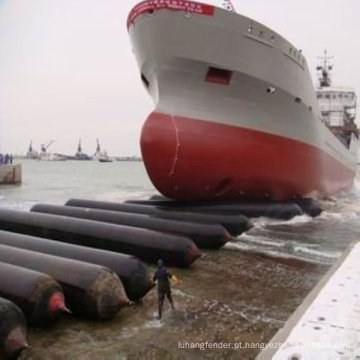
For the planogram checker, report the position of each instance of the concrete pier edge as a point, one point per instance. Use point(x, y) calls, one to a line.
point(10, 174)
point(285, 331)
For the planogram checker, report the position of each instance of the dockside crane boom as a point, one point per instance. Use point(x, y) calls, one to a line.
point(44, 147)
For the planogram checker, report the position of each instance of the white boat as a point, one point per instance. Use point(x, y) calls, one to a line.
point(101, 156)
point(104, 157)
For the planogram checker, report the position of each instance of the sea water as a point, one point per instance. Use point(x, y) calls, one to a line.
point(55, 182)
point(317, 240)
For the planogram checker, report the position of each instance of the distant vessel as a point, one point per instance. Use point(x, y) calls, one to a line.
point(53, 157)
point(79, 155)
point(47, 156)
point(128, 158)
point(104, 157)
point(43, 155)
point(236, 114)
point(101, 156)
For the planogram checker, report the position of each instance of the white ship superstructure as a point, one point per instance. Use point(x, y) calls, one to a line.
point(337, 104)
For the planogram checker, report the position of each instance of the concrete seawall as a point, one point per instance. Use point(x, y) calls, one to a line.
point(10, 174)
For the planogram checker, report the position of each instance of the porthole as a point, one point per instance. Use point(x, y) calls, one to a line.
point(272, 38)
point(270, 90)
point(250, 28)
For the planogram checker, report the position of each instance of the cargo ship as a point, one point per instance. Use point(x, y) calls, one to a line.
point(236, 113)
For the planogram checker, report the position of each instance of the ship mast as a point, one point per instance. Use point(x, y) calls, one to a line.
point(98, 148)
point(79, 150)
point(324, 69)
point(228, 5)
point(30, 150)
point(44, 147)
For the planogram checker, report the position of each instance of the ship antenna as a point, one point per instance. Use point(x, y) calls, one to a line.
point(324, 69)
point(228, 5)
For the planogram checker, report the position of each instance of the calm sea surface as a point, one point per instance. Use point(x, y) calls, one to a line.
point(241, 293)
point(57, 181)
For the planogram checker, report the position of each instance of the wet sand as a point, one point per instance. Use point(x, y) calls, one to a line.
point(226, 296)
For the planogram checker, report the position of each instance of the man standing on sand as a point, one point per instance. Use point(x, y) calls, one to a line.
point(162, 277)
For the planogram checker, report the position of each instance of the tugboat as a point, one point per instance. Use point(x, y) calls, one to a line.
point(104, 157)
point(101, 156)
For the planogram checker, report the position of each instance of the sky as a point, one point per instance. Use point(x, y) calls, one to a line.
point(67, 70)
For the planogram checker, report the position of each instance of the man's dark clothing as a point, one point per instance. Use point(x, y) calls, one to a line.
point(163, 285)
point(162, 276)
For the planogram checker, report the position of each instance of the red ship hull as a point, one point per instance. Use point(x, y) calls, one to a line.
point(192, 159)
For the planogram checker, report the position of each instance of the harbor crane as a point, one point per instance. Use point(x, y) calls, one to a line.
point(44, 147)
